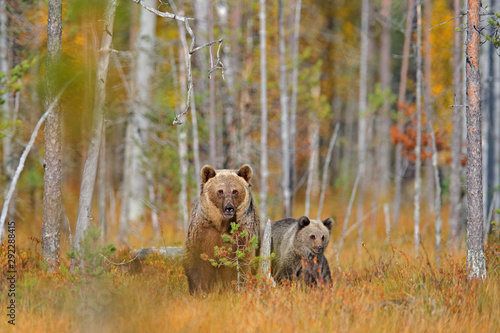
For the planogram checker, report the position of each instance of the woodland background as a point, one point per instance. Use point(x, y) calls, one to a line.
point(331, 131)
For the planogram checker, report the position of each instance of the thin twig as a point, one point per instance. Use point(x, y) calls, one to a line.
point(452, 19)
point(120, 263)
point(24, 156)
point(189, 53)
point(163, 14)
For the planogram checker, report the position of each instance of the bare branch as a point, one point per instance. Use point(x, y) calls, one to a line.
point(189, 53)
point(24, 156)
point(163, 14)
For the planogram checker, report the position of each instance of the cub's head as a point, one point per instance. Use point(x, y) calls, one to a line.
point(227, 191)
point(313, 236)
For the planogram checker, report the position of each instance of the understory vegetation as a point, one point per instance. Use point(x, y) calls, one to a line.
point(378, 286)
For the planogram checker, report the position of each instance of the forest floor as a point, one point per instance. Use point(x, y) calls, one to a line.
point(379, 287)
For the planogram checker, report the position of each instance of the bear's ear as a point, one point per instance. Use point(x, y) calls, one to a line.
point(328, 223)
point(245, 172)
point(303, 222)
point(207, 172)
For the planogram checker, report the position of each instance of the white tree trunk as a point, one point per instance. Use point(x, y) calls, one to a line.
point(264, 173)
point(102, 187)
point(418, 147)
point(295, 80)
point(398, 173)
point(324, 179)
point(144, 71)
point(384, 121)
point(314, 138)
point(5, 107)
point(362, 117)
point(90, 168)
point(285, 124)
point(456, 137)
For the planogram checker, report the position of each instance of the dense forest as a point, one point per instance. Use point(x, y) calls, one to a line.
point(383, 115)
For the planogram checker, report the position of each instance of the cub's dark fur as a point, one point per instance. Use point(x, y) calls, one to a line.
point(299, 247)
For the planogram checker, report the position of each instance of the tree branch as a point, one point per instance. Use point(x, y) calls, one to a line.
point(24, 156)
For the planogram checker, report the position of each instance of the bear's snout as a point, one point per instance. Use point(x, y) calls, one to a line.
point(319, 249)
point(229, 211)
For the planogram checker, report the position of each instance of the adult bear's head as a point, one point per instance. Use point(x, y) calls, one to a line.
point(225, 193)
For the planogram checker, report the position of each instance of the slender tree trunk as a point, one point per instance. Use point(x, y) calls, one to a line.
point(475, 246)
point(285, 135)
point(229, 129)
point(418, 147)
point(384, 121)
point(194, 119)
point(496, 125)
point(52, 202)
point(101, 183)
point(212, 120)
point(182, 136)
point(314, 138)
point(90, 168)
point(144, 71)
point(264, 173)
point(398, 173)
point(427, 94)
point(5, 107)
point(293, 105)
point(363, 109)
point(324, 179)
point(154, 210)
point(126, 189)
point(456, 137)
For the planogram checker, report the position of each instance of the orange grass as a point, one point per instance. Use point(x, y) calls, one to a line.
point(382, 287)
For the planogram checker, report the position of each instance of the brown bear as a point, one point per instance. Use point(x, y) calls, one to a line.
point(299, 247)
point(225, 197)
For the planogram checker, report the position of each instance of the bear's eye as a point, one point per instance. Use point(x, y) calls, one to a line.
point(313, 237)
point(235, 192)
point(322, 238)
point(220, 192)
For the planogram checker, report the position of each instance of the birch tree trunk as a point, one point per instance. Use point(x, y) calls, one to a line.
point(181, 133)
point(101, 183)
point(418, 147)
point(212, 119)
point(52, 178)
point(398, 173)
point(476, 264)
point(285, 134)
point(313, 138)
point(5, 107)
point(363, 109)
point(229, 129)
point(495, 124)
point(90, 168)
point(264, 173)
point(293, 105)
point(384, 119)
point(324, 178)
point(430, 185)
point(145, 48)
point(456, 136)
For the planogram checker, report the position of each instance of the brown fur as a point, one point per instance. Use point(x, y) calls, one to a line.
point(299, 246)
point(211, 217)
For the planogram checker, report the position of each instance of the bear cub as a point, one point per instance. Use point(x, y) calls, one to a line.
point(299, 247)
point(225, 197)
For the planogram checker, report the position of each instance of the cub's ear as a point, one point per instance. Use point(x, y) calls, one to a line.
point(328, 223)
point(245, 172)
point(303, 222)
point(207, 172)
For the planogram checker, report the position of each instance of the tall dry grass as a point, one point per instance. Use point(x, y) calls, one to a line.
point(380, 287)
